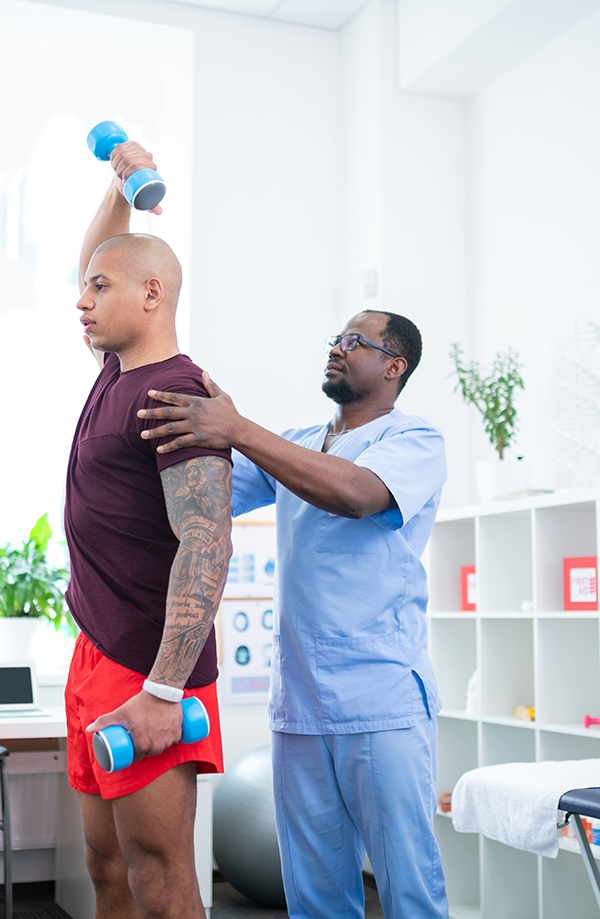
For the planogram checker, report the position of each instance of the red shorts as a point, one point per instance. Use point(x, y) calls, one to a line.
point(97, 685)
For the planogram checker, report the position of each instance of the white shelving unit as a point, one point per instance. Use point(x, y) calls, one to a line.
point(544, 657)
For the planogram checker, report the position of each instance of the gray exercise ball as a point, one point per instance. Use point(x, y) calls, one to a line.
point(244, 836)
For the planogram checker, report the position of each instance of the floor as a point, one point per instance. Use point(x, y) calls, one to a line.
point(36, 901)
point(33, 901)
point(229, 904)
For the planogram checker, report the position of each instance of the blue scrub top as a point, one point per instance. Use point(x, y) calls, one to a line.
point(351, 595)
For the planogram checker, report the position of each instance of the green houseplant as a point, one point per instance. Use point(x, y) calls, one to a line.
point(492, 394)
point(30, 585)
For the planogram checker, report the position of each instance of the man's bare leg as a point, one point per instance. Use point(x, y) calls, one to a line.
point(155, 829)
point(106, 865)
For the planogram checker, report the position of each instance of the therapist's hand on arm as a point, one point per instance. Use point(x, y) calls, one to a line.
point(328, 482)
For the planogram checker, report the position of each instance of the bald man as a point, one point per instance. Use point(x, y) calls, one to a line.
point(149, 541)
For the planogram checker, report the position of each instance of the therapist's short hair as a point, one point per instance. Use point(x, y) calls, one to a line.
point(403, 338)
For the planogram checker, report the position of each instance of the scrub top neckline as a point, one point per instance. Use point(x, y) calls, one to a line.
point(325, 429)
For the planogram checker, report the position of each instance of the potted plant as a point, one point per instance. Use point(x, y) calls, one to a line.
point(31, 590)
point(493, 395)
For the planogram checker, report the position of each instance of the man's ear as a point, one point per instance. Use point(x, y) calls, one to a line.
point(154, 293)
point(396, 368)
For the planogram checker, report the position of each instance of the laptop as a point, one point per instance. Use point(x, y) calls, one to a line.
point(19, 694)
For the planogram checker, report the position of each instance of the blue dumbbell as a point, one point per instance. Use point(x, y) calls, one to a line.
point(113, 746)
point(144, 188)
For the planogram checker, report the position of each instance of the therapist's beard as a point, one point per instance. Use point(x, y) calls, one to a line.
point(341, 392)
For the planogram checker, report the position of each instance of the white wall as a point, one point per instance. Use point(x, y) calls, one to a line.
point(429, 30)
point(534, 148)
point(404, 215)
point(266, 217)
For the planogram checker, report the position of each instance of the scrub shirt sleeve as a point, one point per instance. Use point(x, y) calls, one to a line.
point(252, 487)
point(411, 462)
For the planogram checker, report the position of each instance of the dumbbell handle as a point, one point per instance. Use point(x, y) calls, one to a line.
point(113, 747)
point(587, 721)
point(144, 188)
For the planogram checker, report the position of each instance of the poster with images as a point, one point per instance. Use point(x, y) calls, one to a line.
point(246, 647)
point(252, 565)
point(246, 615)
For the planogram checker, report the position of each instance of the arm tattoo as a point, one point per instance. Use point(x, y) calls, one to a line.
point(198, 497)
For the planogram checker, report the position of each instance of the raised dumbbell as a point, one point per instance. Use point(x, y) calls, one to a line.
point(113, 747)
point(144, 188)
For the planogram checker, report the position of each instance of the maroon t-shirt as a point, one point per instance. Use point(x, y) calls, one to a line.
point(120, 541)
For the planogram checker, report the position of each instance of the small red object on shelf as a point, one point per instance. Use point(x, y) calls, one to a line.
point(445, 802)
point(468, 589)
point(580, 580)
point(587, 721)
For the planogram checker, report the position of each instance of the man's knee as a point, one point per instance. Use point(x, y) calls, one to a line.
point(159, 879)
point(107, 868)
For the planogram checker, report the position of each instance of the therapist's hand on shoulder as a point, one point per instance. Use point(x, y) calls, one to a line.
point(195, 420)
point(154, 725)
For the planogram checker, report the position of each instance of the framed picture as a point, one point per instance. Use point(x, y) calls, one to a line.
point(468, 589)
point(580, 581)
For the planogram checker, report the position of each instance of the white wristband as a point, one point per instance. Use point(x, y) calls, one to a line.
point(161, 691)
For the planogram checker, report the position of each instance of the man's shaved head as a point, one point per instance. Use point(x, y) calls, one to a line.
point(143, 257)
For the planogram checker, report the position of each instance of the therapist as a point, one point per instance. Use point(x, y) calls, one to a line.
point(353, 697)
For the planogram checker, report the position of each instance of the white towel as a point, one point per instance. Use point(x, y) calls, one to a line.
point(517, 803)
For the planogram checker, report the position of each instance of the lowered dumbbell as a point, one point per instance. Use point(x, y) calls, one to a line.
point(144, 189)
point(113, 747)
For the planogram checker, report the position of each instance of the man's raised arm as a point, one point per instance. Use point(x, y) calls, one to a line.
point(112, 217)
point(198, 496)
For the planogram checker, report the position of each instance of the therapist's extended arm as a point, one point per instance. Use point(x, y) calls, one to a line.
point(328, 482)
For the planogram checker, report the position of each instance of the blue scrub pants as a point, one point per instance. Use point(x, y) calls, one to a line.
point(336, 794)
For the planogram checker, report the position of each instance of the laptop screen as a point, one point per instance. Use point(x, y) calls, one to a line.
point(18, 687)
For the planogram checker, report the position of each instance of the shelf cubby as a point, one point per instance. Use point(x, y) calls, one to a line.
point(504, 564)
point(566, 890)
point(460, 861)
point(453, 650)
point(452, 546)
point(569, 669)
point(457, 751)
point(510, 882)
point(560, 532)
point(557, 745)
point(502, 743)
point(506, 665)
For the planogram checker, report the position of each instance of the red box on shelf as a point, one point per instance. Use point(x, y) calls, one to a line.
point(468, 589)
point(580, 581)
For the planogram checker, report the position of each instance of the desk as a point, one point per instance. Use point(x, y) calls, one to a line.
point(34, 768)
point(31, 727)
point(38, 747)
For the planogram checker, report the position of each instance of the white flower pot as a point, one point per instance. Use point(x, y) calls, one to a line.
point(25, 640)
point(502, 478)
point(18, 639)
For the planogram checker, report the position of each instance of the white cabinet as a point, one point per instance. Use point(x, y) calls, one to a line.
point(528, 651)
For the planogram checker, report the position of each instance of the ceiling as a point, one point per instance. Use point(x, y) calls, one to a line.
point(322, 14)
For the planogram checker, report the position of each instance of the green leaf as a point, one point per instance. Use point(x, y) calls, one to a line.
point(41, 534)
point(29, 584)
point(492, 395)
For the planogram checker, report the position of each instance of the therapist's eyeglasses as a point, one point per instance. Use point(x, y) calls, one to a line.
point(349, 343)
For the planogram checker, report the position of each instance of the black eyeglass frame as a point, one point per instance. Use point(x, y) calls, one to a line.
point(334, 340)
